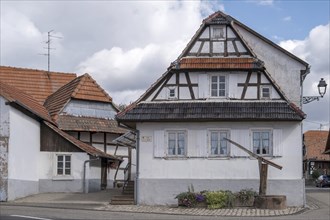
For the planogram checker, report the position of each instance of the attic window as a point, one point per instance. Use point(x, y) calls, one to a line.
point(172, 93)
point(218, 33)
point(265, 92)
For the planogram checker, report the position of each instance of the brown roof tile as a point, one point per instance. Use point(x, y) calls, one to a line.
point(83, 87)
point(18, 97)
point(315, 143)
point(81, 145)
point(72, 123)
point(219, 63)
point(37, 83)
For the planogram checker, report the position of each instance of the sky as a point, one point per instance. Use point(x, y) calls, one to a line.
point(127, 45)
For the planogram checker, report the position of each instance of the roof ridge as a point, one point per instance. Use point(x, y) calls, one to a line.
point(35, 70)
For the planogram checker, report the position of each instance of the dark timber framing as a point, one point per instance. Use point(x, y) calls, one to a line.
point(248, 84)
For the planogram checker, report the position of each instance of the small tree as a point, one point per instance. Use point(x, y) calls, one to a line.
point(315, 174)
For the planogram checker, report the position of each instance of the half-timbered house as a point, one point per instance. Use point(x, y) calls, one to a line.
point(229, 82)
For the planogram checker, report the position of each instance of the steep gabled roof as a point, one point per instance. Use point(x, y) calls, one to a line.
point(81, 145)
point(37, 83)
point(18, 98)
point(83, 87)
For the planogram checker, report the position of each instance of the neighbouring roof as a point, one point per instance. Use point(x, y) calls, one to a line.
point(20, 99)
point(37, 83)
point(220, 63)
point(73, 123)
point(81, 145)
point(327, 147)
point(128, 139)
point(83, 87)
point(210, 111)
point(315, 143)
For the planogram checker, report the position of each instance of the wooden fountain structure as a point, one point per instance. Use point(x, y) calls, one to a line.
point(264, 201)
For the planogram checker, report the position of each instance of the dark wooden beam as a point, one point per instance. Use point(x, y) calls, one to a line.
point(189, 86)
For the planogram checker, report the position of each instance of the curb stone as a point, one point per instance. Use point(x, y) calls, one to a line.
point(241, 212)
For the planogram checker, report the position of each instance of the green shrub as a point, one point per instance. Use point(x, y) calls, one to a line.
point(315, 174)
point(187, 199)
point(216, 199)
point(245, 195)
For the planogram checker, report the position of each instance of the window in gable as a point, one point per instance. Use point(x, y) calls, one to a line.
point(265, 92)
point(218, 33)
point(218, 86)
point(172, 94)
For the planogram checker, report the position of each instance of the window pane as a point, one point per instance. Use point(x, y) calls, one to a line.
point(60, 165)
point(60, 158)
point(67, 164)
point(68, 158)
point(59, 171)
point(67, 171)
point(222, 79)
point(181, 143)
point(214, 143)
point(214, 79)
point(221, 93)
point(214, 93)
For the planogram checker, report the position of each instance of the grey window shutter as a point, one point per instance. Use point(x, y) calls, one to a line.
point(203, 85)
point(159, 143)
point(277, 143)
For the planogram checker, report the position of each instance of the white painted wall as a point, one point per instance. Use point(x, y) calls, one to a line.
point(23, 154)
point(220, 168)
point(47, 168)
point(284, 70)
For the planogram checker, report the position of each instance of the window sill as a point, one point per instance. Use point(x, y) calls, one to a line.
point(61, 178)
point(176, 158)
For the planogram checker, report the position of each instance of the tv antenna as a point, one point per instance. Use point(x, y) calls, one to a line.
point(48, 42)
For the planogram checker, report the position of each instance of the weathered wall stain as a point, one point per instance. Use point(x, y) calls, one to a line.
point(3, 168)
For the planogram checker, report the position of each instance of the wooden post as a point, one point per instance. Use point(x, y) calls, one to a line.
point(263, 178)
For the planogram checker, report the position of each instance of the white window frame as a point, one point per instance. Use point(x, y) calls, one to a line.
point(176, 132)
point(270, 141)
point(218, 131)
point(213, 32)
point(218, 85)
point(63, 165)
point(262, 93)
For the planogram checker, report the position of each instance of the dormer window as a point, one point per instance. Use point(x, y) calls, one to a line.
point(218, 32)
point(265, 92)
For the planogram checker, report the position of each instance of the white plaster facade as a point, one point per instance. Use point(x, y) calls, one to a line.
point(198, 166)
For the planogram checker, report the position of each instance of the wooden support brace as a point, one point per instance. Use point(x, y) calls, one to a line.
point(263, 178)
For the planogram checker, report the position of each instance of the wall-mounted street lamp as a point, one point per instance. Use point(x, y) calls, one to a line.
point(322, 87)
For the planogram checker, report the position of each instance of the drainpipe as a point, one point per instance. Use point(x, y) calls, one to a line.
point(136, 193)
point(84, 177)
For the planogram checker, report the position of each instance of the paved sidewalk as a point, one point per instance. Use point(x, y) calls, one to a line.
point(202, 211)
point(100, 201)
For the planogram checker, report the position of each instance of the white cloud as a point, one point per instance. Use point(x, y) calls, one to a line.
point(264, 2)
point(316, 51)
point(287, 18)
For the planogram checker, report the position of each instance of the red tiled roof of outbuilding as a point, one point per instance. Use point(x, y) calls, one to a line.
point(37, 83)
point(83, 87)
point(18, 97)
